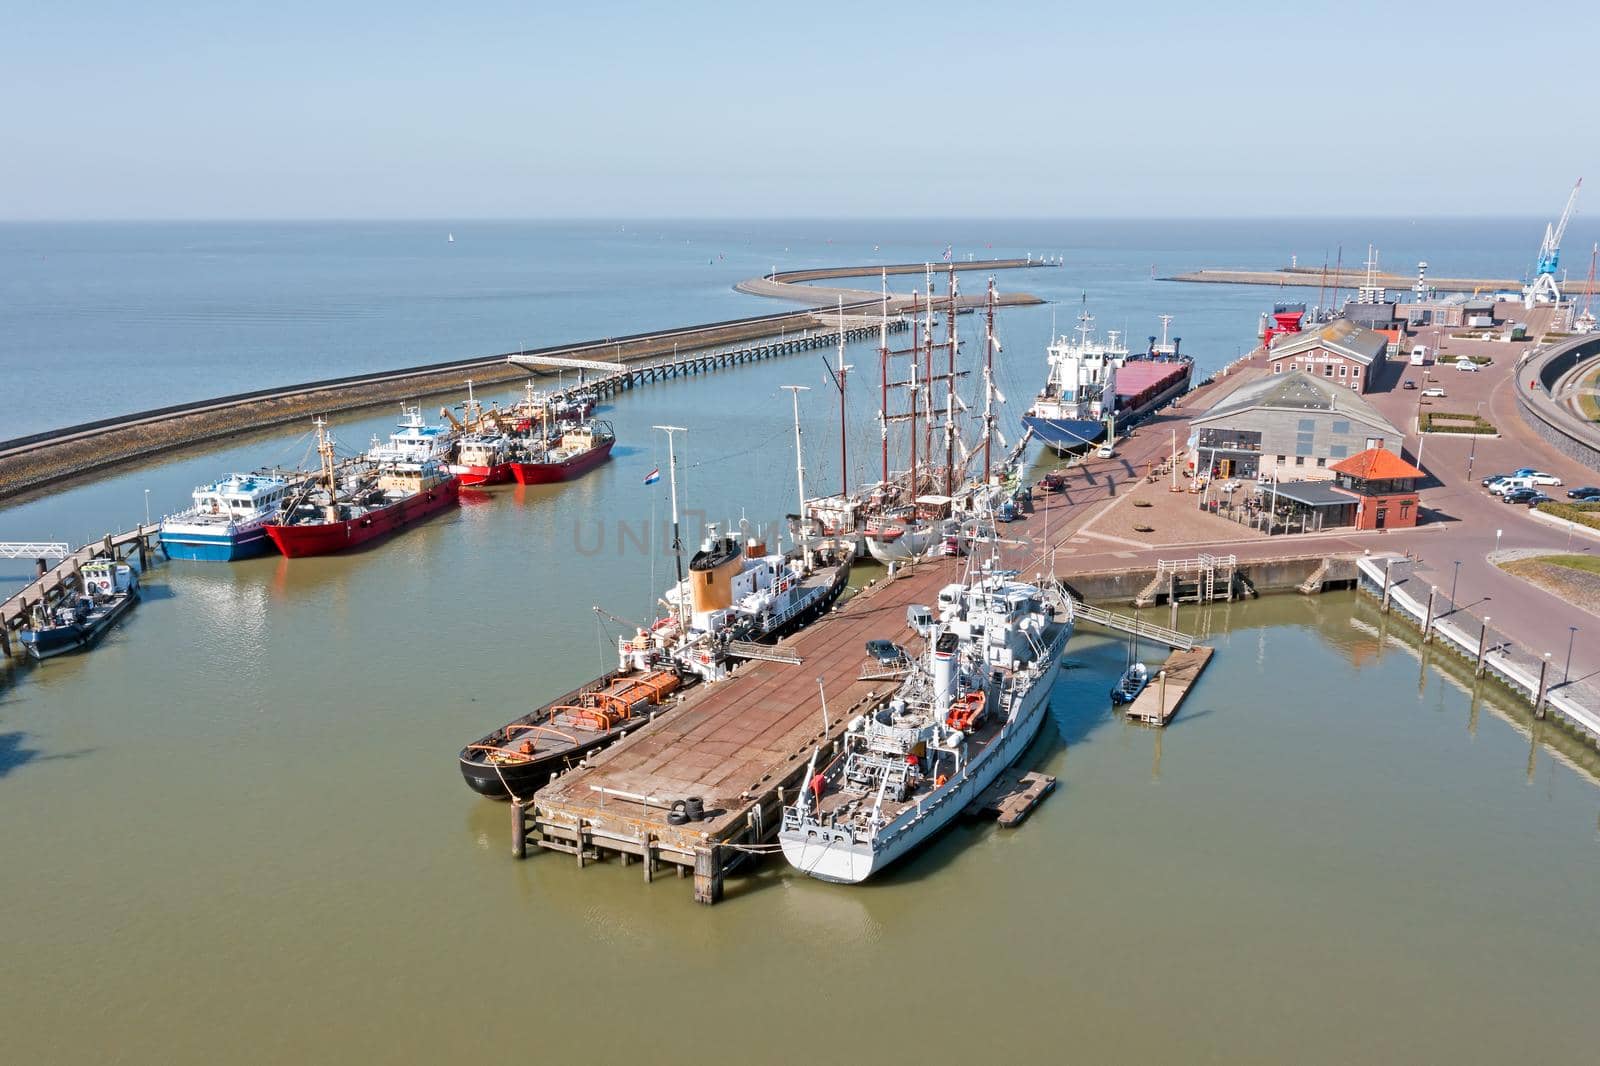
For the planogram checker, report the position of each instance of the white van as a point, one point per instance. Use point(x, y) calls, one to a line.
point(1419, 355)
point(1501, 487)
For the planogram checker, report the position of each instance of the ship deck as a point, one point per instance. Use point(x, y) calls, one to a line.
point(741, 746)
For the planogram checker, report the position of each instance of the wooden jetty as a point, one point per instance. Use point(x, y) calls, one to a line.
point(1165, 693)
point(741, 747)
point(65, 579)
point(1012, 796)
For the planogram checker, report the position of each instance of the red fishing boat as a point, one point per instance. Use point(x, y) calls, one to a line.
point(483, 459)
point(579, 450)
point(340, 509)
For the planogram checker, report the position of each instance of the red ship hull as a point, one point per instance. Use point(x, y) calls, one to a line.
point(471, 476)
point(548, 473)
point(323, 538)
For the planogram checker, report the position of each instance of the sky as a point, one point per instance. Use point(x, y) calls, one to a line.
point(541, 110)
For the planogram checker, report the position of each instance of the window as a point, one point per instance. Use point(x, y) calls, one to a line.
point(1341, 427)
point(1355, 371)
point(1299, 460)
point(1405, 508)
point(1343, 370)
point(1327, 371)
point(1293, 367)
point(1277, 367)
point(1283, 458)
point(1339, 451)
point(1321, 461)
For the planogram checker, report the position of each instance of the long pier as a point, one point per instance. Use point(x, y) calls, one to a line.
point(1315, 277)
point(790, 284)
point(65, 578)
point(35, 460)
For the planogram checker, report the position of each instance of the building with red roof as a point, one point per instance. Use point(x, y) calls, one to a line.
point(1386, 485)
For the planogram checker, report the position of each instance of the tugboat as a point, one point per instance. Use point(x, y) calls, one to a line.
point(971, 704)
point(228, 519)
point(580, 449)
point(332, 513)
point(1130, 684)
point(110, 589)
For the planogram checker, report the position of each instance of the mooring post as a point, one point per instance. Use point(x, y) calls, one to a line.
point(1385, 605)
point(144, 552)
point(1538, 702)
point(1427, 623)
point(577, 839)
point(1161, 697)
point(708, 875)
point(1483, 640)
point(43, 567)
point(5, 640)
point(519, 831)
point(649, 859)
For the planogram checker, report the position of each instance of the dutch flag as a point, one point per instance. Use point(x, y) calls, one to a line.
point(653, 476)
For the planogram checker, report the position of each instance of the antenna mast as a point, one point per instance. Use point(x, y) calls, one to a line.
point(800, 462)
point(677, 539)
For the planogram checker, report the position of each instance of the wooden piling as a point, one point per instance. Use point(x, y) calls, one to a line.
point(5, 640)
point(519, 831)
point(1538, 702)
point(708, 875)
point(1427, 624)
point(649, 856)
point(1386, 582)
point(1483, 640)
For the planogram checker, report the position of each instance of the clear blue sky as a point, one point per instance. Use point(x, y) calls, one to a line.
point(527, 110)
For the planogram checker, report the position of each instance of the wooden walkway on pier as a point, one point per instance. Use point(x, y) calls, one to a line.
point(1165, 693)
point(741, 746)
point(64, 578)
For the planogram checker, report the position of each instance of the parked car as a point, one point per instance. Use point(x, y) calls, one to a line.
point(1584, 492)
point(1539, 477)
point(1434, 391)
point(1466, 364)
point(1492, 478)
point(1509, 484)
point(1536, 499)
point(1524, 471)
point(886, 652)
point(1521, 494)
point(1408, 384)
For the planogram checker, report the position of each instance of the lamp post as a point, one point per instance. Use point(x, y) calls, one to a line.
point(1453, 579)
point(1497, 539)
point(1566, 671)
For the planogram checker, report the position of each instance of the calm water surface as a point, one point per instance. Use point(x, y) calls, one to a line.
point(236, 830)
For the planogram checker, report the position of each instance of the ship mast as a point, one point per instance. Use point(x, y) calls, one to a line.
point(800, 465)
point(839, 380)
point(677, 539)
point(950, 392)
point(325, 451)
point(988, 378)
point(927, 383)
point(883, 371)
point(916, 347)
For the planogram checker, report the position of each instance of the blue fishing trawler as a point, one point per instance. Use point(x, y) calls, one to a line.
point(109, 590)
point(228, 519)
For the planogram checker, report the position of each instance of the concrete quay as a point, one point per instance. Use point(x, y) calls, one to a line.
point(790, 285)
point(1314, 277)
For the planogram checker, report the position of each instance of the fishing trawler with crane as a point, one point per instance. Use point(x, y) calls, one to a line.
point(972, 703)
point(351, 504)
point(579, 449)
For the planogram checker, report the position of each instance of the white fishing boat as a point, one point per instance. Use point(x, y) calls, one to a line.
point(970, 706)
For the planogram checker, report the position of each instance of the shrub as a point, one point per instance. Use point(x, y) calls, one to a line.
point(1456, 422)
point(1585, 514)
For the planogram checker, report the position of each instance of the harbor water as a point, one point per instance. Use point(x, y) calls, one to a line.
point(236, 831)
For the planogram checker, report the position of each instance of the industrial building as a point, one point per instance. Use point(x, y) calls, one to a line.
point(1292, 425)
point(1340, 352)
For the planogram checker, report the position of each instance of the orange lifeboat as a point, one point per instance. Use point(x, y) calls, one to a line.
point(966, 712)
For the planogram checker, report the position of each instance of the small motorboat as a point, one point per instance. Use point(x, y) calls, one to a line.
point(110, 589)
point(1132, 682)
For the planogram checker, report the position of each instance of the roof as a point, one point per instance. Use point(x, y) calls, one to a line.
point(1341, 336)
point(1312, 493)
point(1376, 464)
point(1299, 391)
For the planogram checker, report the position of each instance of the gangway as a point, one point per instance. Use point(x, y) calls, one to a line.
point(34, 549)
point(744, 649)
point(1133, 626)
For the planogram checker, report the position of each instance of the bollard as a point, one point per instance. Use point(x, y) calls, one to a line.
point(707, 875)
point(519, 831)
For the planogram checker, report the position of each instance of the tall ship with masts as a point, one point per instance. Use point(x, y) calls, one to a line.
point(946, 481)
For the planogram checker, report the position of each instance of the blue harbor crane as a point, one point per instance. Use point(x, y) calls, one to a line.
point(1543, 288)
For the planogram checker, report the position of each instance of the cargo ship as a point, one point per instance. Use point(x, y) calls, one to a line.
point(341, 509)
point(577, 451)
point(1092, 383)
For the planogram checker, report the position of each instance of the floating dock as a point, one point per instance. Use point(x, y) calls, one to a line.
point(1012, 796)
point(1165, 693)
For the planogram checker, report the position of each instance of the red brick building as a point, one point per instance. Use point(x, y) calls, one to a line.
point(1386, 487)
point(1340, 352)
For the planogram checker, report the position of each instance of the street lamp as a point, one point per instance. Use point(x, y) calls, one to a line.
point(1566, 671)
point(1456, 576)
point(1497, 539)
